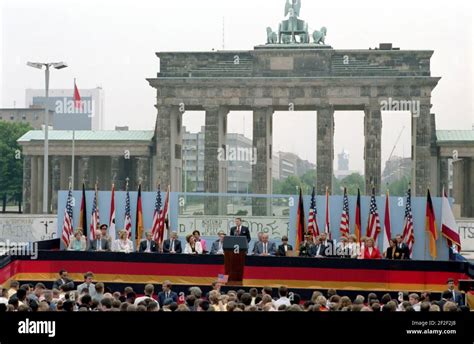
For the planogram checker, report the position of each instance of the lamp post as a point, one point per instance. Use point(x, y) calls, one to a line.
point(47, 65)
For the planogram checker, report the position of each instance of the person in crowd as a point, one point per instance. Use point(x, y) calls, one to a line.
point(148, 244)
point(306, 246)
point(167, 293)
point(266, 247)
point(148, 295)
point(457, 297)
point(318, 250)
point(14, 286)
point(353, 247)
point(402, 251)
point(173, 244)
point(282, 298)
point(63, 280)
point(370, 251)
point(88, 285)
point(99, 292)
point(391, 249)
point(3, 295)
point(414, 301)
point(78, 242)
point(99, 244)
point(218, 245)
point(239, 230)
point(259, 239)
point(123, 243)
point(284, 247)
point(105, 234)
point(197, 237)
point(192, 246)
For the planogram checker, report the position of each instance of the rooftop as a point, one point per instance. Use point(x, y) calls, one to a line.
point(89, 135)
point(455, 135)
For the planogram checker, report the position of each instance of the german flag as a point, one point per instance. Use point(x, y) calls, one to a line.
point(139, 218)
point(430, 227)
point(300, 223)
point(358, 223)
point(83, 213)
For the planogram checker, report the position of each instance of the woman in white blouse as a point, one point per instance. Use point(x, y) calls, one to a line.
point(192, 246)
point(123, 243)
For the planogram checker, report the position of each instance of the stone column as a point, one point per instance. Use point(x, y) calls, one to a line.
point(55, 182)
point(115, 172)
point(83, 175)
point(459, 187)
point(443, 175)
point(168, 136)
point(262, 169)
point(39, 183)
point(26, 199)
point(141, 171)
point(324, 148)
point(34, 185)
point(423, 134)
point(373, 147)
point(215, 160)
point(469, 186)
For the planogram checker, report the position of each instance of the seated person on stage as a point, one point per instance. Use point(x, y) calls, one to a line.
point(371, 252)
point(284, 247)
point(328, 244)
point(99, 243)
point(78, 242)
point(192, 246)
point(173, 244)
point(123, 243)
point(148, 245)
point(391, 250)
point(306, 246)
point(104, 234)
point(352, 245)
point(402, 251)
point(218, 245)
point(318, 250)
point(197, 236)
point(259, 239)
point(343, 247)
point(265, 247)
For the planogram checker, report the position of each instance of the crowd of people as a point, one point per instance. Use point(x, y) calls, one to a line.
point(319, 246)
point(66, 296)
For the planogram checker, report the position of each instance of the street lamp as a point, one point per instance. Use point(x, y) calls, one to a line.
point(47, 65)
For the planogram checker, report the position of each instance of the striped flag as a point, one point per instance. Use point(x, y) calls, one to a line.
point(95, 221)
point(128, 219)
point(430, 227)
point(327, 227)
point(68, 230)
point(112, 229)
point(300, 222)
point(139, 218)
point(156, 215)
point(162, 219)
point(449, 228)
point(77, 97)
point(358, 221)
point(83, 213)
point(408, 229)
point(373, 224)
point(344, 227)
point(313, 228)
point(387, 228)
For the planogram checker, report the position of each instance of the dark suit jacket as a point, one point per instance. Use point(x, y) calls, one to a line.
point(59, 282)
point(162, 297)
point(458, 297)
point(314, 250)
point(403, 251)
point(142, 247)
point(105, 245)
point(306, 249)
point(244, 231)
point(177, 246)
point(281, 250)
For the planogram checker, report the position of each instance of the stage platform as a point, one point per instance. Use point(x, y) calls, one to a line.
point(299, 273)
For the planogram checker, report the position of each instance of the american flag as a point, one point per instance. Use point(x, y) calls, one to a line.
point(327, 226)
point(312, 218)
point(344, 228)
point(128, 219)
point(161, 222)
point(68, 221)
point(373, 225)
point(94, 217)
point(156, 215)
point(408, 229)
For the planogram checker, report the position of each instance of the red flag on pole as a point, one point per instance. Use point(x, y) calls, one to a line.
point(387, 228)
point(300, 222)
point(449, 228)
point(112, 230)
point(358, 221)
point(430, 228)
point(327, 228)
point(77, 97)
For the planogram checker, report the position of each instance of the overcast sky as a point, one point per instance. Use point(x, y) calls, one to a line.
point(112, 44)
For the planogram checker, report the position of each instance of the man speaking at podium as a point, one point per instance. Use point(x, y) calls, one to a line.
point(239, 230)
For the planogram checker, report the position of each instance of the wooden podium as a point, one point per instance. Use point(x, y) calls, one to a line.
point(235, 250)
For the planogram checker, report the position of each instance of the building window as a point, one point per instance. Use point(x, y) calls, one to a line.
point(23, 117)
point(12, 117)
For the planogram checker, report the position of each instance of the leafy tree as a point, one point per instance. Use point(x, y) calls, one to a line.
point(399, 187)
